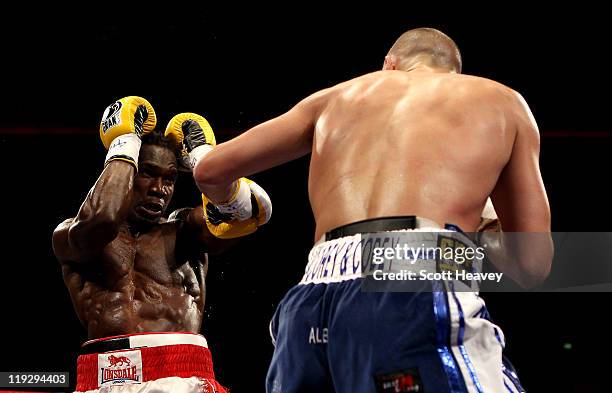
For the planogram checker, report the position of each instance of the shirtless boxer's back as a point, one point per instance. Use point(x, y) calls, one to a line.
point(378, 151)
point(416, 139)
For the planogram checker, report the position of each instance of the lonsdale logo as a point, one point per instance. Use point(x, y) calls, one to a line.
point(120, 369)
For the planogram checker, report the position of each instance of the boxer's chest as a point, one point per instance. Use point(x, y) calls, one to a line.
point(148, 255)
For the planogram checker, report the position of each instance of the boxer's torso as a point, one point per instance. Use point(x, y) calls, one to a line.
point(409, 143)
point(139, 283)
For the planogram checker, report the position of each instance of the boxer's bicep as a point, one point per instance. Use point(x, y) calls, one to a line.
point(267, 145)
point(522, 205)
point(519, 196)
point(282, 139)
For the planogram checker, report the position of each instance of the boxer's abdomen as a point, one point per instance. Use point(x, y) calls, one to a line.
point(140, 309)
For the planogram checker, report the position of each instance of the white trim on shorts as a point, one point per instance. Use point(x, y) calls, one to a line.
point(340, 259)
point(158, 340)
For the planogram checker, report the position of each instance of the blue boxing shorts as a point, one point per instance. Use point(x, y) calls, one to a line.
point(331, 335)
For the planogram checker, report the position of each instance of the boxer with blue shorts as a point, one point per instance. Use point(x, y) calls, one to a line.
point(417, 139)
point(332, 336)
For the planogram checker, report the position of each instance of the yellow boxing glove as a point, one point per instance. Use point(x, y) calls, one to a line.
point(122, 125)
point(196, 135)
point(247, 209)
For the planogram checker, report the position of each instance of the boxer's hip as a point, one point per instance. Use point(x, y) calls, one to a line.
point(340, 283)
point(165, 361)
point(407, 247)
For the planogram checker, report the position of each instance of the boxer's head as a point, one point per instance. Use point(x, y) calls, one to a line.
point(424, 46)
point(154, 182)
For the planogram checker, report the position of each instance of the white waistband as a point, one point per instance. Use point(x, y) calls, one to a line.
point(341, 259)
point(140, 340)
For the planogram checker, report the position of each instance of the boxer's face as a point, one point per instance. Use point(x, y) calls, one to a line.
point(154, 184)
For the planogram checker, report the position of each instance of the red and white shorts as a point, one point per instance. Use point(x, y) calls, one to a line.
point(147, 362)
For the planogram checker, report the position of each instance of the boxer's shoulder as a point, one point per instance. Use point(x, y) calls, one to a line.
point(178, 216)
point(60, 242)
point(185, 223)
point(63, 226)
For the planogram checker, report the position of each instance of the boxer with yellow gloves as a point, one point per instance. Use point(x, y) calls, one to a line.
point(130, 271)
point(249, 205)
point(122, 126)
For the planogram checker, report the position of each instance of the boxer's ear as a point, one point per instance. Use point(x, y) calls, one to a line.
point(389, 63)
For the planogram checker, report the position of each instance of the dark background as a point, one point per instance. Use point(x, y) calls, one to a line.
point(239, 70)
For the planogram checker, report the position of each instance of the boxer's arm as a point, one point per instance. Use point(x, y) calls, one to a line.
point(282, 139)
point(97, 222)
point(195, 236)
point(108, 202)
point(522, 205)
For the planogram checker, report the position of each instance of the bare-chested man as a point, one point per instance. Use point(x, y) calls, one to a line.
point(130, 271)
point(414, 147)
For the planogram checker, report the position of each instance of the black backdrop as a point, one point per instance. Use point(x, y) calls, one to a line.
point(238, 70)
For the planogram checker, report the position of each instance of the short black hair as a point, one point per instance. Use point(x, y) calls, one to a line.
point(433, 45)
point(157, 138)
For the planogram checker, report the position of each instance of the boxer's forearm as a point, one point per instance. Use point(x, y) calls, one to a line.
point(218, 193)
point(525, 257)
point(264, 146)
point(104, 209)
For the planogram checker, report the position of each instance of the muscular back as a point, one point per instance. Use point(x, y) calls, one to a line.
point(423, 142)
point(139, 283)
point(397, 143)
